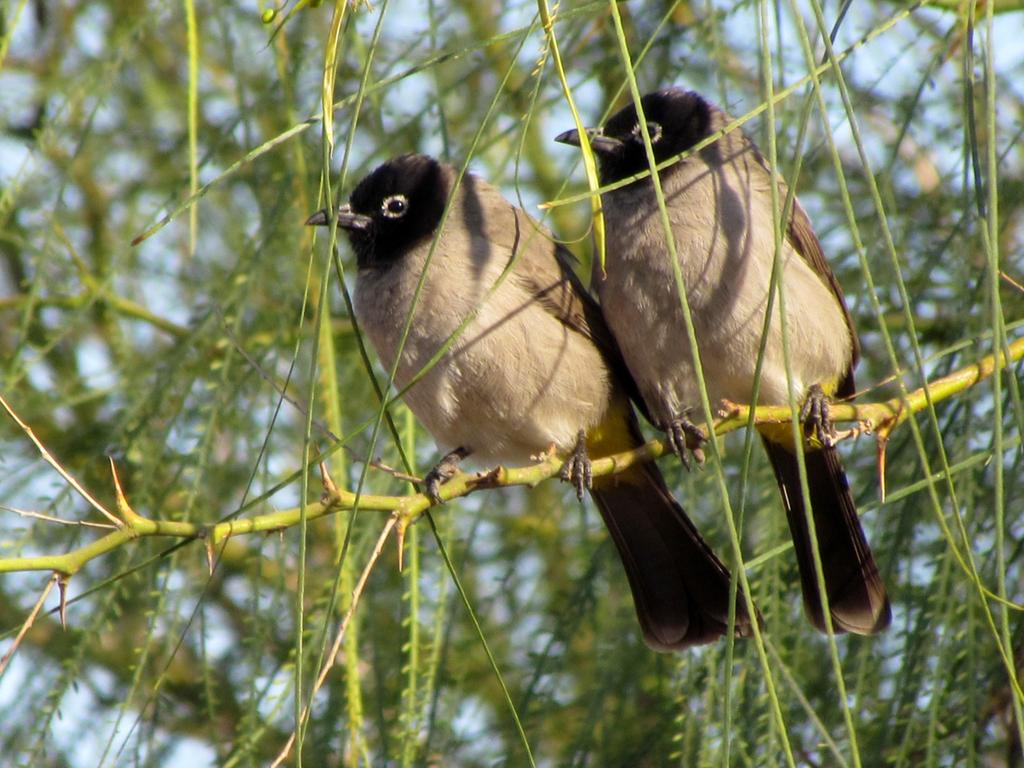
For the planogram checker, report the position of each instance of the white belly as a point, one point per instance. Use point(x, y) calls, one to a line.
point(515, 383)
point(726, 268)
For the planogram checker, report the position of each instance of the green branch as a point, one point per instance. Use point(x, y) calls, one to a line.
point(878, 418)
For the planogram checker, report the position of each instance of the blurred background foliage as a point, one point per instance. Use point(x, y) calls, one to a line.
point(168, 356)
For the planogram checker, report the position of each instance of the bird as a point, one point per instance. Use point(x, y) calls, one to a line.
point(526, 366)
point(719, 206)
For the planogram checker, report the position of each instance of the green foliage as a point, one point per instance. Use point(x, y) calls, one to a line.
point(170, 355)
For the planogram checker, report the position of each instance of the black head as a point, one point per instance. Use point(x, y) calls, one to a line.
point(396, 206)
point(676, 120)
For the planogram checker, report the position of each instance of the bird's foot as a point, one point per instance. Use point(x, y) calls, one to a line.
point(814, 415)
point(686, 439)
point(577, 468)
point(442, 472)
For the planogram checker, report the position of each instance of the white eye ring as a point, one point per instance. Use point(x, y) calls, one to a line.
point(394, 206)
point(652, 128)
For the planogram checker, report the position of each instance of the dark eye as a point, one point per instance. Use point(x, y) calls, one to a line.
point(394, 206)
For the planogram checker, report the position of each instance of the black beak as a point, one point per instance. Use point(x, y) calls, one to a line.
point(347, 219)
point(603, 145)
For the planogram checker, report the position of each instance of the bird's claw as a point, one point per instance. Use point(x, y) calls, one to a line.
point(814, 415)
point(686, 438)
point(577, 468)
point(442, 472)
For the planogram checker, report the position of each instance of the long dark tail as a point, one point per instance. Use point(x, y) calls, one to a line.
point(856, 595)
point(680, 588)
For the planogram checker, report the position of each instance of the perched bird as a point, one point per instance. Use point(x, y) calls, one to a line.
point(720, 211)
point(531, 367)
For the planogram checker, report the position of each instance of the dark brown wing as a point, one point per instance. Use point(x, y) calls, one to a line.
point(556, 287)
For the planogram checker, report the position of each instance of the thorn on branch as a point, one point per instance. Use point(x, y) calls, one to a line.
point(838, 435)
point(63, 580)
point(57, 520)
point(402, 524)
point(330, 489)
point(491, 478)
point(211, 552)
point(881, 442)
point(398, 474)
point(49, 459)
point(27, 624)
point(128, 515)
point(727, 409)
